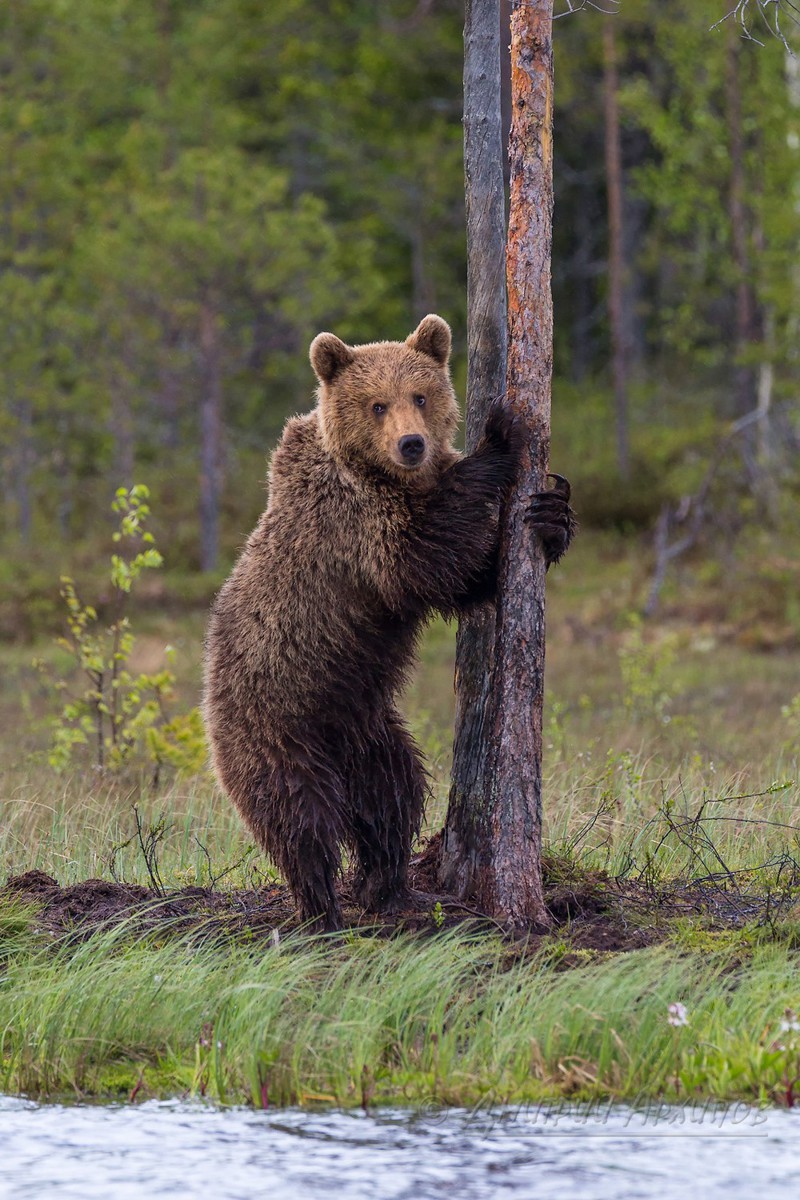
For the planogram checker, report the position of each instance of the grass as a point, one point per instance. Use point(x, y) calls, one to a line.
point(641, 726)
point(361, 1021)
point(625, 816)
point(671, 763)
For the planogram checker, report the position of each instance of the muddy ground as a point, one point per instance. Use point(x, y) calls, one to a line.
point(593, 912)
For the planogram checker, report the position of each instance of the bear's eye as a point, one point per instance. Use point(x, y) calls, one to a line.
point(379, 409)
point(419, 401)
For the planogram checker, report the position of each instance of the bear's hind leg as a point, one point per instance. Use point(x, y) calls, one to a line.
point(388, 785)
point(302, 832)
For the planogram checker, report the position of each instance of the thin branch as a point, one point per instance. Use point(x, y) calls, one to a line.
point(745, 12)
point(610, 7)
point(148, 844)
point(214, 879)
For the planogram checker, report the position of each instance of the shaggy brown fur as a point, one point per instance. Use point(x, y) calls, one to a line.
point(374, 521)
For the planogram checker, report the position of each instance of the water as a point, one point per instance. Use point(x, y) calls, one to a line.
point(186, 1150)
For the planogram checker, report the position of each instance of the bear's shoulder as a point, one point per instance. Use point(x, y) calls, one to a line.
point(301, 436)
point(299, 451)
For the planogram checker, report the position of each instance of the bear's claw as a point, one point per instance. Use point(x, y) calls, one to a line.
point(552, 518)
point(503, 430)
point(562, 488)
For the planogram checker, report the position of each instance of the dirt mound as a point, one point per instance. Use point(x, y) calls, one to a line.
point(94, 900)
point(591, 912)
point(82, 908)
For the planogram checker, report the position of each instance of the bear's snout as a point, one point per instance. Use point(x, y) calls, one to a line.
point(412, 448)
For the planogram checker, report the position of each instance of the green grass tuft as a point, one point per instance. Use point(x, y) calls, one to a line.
point(362, 1020)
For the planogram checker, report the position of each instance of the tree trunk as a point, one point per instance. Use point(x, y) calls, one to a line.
point(121, 421)
point(24, 469)
point(492, 845)
point(744, 376)
point(210, 438)
point(505, 89)
point(169, 386)
point(467, 829)
point(616, 252)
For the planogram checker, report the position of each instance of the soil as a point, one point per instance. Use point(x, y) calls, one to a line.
point(593, 913)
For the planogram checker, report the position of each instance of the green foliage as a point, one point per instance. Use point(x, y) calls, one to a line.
point(645, 667)
point(791, 715)
point(673, 435)
point(184, 172)
point(682, 106)
point(192, 190)
point(117, 717)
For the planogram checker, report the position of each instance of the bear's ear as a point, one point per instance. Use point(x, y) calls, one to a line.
point(432, 337)
point(328, 355)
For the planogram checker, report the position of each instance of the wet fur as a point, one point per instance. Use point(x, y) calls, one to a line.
point(312, 635)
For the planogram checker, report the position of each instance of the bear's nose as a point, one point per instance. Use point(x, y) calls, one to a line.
point(412, 447)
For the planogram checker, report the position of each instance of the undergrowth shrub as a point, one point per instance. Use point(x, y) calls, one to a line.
point(112, 717)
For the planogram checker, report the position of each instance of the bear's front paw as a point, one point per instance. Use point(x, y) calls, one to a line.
point(553, 520)
point(503, 431)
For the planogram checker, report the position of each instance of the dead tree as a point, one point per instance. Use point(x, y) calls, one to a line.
point(491, 851)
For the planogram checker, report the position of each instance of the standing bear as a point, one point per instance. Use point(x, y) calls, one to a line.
point(374, 522)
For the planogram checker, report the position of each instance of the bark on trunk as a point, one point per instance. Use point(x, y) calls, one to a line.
point(505, 88)
point(467, 829)
point(210, 438)
point(492, 847)
point(616, 260)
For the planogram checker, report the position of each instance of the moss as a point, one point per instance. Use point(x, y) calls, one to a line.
point(157, 1079)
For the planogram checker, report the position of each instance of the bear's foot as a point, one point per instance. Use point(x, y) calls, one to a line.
point(400, 901)
point(316, 925)
point(385, 899)
point(314, 921)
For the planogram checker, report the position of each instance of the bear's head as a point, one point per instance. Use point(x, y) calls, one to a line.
point(389, 404)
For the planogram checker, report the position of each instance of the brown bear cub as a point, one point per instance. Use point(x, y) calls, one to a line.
point(373, 523)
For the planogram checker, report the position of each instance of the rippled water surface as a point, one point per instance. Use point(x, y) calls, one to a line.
point(185, 1150)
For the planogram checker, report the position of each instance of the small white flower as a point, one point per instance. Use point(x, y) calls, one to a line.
point(677, 1015)
point(790, 1022)
point(157, 978)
